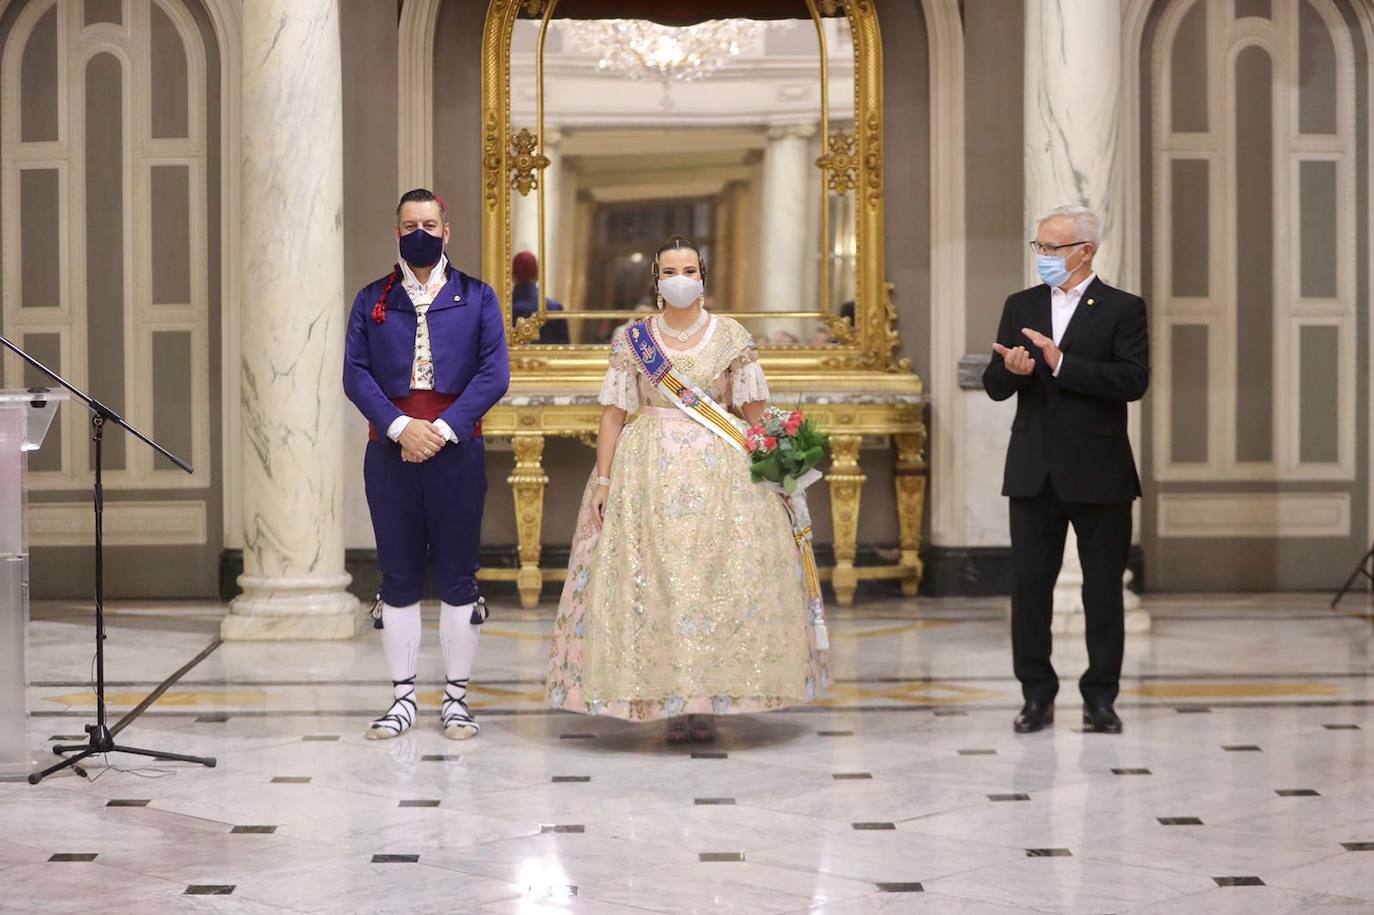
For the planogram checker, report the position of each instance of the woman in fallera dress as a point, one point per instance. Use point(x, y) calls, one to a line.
point(685, 595)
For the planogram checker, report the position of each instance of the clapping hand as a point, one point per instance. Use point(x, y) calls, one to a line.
point(1017, 359)
point(1046, 345)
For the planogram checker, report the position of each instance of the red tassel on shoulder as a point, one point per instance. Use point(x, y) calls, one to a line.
point(379, 309)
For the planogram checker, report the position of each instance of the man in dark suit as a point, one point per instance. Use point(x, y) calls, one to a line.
point(1075, 352)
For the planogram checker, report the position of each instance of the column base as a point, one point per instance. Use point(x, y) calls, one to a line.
point(293, 609)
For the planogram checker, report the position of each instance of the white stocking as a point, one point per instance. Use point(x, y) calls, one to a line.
point(458, 638)
point(401, 643)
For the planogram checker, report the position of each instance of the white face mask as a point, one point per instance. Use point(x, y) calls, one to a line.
point(680, 291)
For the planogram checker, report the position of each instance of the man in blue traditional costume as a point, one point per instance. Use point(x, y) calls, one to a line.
point(425, 360)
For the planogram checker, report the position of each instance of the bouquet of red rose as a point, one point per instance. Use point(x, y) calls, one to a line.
point(784, 447)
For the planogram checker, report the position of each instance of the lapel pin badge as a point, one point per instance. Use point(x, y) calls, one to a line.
point(1091, 303)
point(459, 298)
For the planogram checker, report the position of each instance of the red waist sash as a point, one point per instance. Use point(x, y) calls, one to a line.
point(426, 405)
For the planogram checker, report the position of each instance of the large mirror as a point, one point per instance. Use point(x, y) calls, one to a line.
point(627, 121)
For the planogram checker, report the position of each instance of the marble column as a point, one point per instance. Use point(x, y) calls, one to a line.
point(294, 584)
point(788, 177)
point(1072, 86)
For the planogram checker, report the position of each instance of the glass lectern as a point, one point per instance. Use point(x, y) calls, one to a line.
point(24, 420)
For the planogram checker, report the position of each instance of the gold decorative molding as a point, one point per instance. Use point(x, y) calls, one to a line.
point(491, 162)
point(508, 161)
point(840, 162)
point(527, 482)
point(910, 482)
point(846, 482)
point(526, 162)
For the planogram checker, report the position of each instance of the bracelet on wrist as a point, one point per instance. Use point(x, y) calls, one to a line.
point(603, 481)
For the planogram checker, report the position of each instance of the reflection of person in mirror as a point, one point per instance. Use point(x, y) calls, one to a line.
point(524, 298)
point(684, 597)
point(641, 308)
point(425, 359)
point(784, 338)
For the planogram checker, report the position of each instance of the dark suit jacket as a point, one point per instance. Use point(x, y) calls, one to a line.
point(1072, 429)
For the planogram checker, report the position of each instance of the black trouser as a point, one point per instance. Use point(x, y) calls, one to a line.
point(1038, 529)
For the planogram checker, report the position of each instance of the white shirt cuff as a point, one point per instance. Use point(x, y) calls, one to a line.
point(397, 426)
point(1062, 357)
point(446, 431)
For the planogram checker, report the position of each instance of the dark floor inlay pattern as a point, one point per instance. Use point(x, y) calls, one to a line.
point(1297, 792)
point(291, 780)
point(395, 859)
point(211, 719)
point(715, 802)
point(419, 804)
point(1242, 748)
point(710, 857)
point(1193, 710)
point(1008, 797)
point(977, 752)
point(1048, 853)
point(851, 776)
point(64, 737)
point(320, 738)
point(440, 757)
point(126, 802)
point(209, 889)
point(577, 737)
point(1130, 771)
point(710, 754)
point(899, 887)
point(875, 826)
point(834, 733)
point(1358, 846)
point(945, 713)
point(567, 779)
point(253, 830)
point(571, 829)
point(1238, 881)
point(1180, 821)
point(1341, 727)
point(72, 856)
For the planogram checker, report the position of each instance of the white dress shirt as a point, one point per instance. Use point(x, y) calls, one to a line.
point(1063, 303)
point(422, 374)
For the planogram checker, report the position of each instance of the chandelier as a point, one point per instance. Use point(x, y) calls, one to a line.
point(643, 50)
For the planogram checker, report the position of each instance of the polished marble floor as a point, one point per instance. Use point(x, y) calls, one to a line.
point(1244, 782)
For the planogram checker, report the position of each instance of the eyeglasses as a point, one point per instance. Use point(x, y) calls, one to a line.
point(1040, 248)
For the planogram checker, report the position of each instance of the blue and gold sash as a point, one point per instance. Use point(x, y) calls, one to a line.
point(680, 392)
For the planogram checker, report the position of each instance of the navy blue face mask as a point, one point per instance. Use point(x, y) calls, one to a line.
point(420, 249)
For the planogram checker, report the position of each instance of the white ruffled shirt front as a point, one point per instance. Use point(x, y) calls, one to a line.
point(422, 372)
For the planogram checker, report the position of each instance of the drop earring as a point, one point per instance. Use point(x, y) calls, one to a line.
point(660, 302)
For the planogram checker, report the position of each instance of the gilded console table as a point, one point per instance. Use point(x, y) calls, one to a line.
point(528, 417)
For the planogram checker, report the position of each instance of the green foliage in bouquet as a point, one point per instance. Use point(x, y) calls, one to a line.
point(783, 447)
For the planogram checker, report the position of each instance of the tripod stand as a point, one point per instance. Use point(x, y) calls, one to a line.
point(1361, 569)
point(101, 734)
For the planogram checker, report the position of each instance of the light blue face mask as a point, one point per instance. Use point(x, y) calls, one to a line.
point(1053, 268)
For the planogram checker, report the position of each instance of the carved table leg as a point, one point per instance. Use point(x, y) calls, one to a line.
point(527, 483)
point(846, 482)
point(911, 503)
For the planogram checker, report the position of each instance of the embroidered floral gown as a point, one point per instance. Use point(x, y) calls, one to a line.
point(690, 599)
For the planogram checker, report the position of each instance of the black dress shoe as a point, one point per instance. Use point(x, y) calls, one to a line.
point(1034, 716)
point(1101, 719)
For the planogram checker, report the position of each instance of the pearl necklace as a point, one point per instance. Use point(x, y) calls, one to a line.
point(682, 336)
